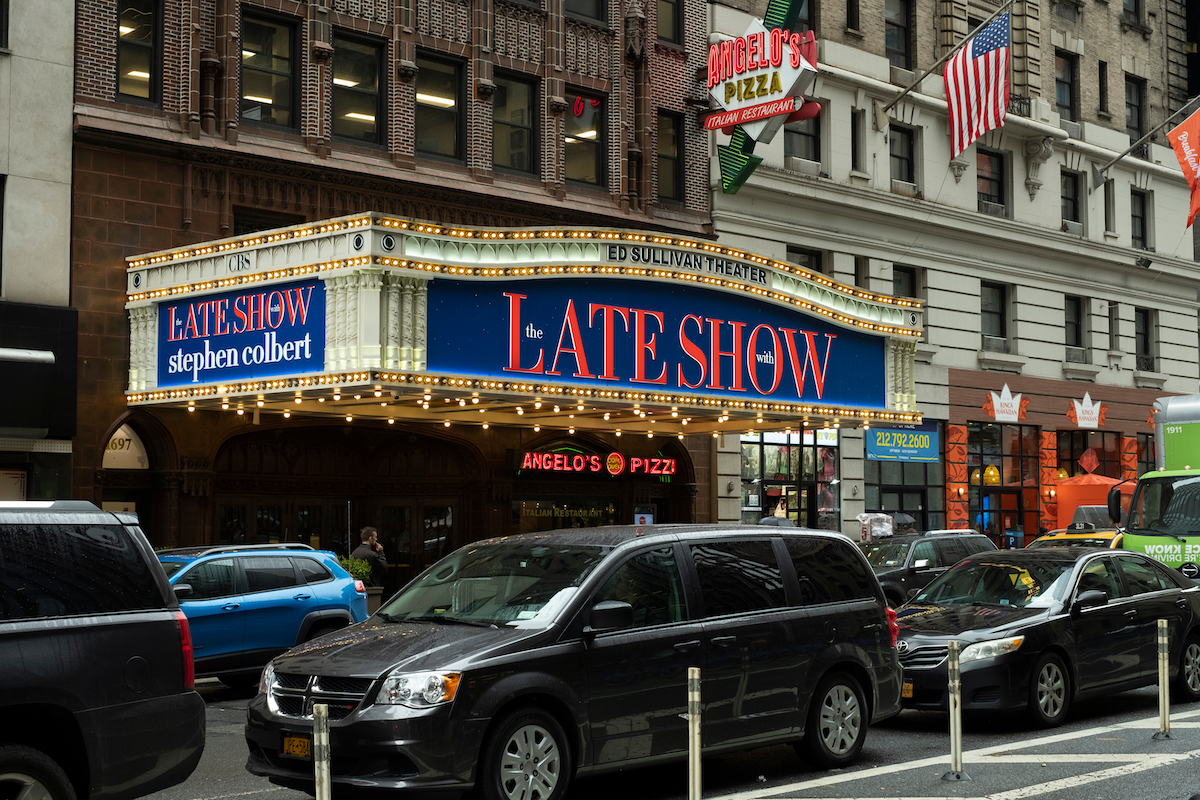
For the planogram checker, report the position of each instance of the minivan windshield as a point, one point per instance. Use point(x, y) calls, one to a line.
point(888, 552)
point(1167, 505)
point(520, 584)
point(996, 583)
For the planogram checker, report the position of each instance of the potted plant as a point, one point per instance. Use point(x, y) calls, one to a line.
point(361, 570)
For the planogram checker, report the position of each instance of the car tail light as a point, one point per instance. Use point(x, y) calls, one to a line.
point(185, 640)
point(893, 628)
point(360, 587)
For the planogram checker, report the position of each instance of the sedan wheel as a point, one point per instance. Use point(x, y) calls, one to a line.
point(836, 727)
point(1050, 692)
point(1187, 684)
point(525, 758)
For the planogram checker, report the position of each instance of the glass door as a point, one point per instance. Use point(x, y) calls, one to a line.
point(414, 535)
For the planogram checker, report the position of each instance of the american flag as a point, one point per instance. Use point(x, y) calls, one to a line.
point(977, 85)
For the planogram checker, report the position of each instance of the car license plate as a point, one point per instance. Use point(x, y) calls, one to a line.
point(906, 690)
point(297, 747)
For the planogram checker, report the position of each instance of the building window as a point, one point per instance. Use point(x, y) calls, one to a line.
point(804, 20)
point(1110, 206)
point(1134, 105)
point(514, 135)
point(585, 141)
point(1070, 195)
point(439, 107)
point(862, 272)
point(1131, 11)
point(670, 154)
point(3, 23)
point(668, 21)
point(269, 68)
point(138, 73)
point(1105, 446)
point(592, 9)
point(252, 220)
point(989, 181)
point(1064, 85)
point(904, 281)
point(1146, 457)
point(1143, 339)
point(858, 131)
point(897, 15)
point(993, 310)
point(803, 140)
point(1137, 219)
point(792, 475)
point(1104, 86)
point(357, 110)
point(907, 487)
point(1114, 327)
point(809, 259)
point(852, 13)
point(903, 154)
point(1002, 469)
point(1073, 331)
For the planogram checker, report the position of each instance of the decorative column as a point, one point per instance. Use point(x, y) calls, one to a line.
point(958, 492)
point(1048, 478)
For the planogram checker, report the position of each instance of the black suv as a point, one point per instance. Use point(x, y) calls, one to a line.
point(96, 698)
point(906, 564)
point(516, 663)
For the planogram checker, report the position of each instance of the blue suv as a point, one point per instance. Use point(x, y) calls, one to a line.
point(247, 604)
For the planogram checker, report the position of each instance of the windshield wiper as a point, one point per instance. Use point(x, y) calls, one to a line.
point(441, 618)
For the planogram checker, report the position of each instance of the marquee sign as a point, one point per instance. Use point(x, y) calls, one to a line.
point(758, 79)
point(622, 333)
point(256, 332)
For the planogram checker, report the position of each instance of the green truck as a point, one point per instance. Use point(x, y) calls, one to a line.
point(1164, 514)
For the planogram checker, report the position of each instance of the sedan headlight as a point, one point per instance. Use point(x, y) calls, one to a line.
point(419, 689)
point(990, 649)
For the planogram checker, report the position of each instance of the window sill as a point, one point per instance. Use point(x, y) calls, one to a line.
point(905, 188)
point(1148, 380)
point(855, 32)
point(1074, 371)
point(803, 166)
point(1111, 235)
point(1001, 362)
point(1103, 114)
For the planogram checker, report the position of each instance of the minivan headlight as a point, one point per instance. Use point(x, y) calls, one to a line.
point(419, 689)
point(267, 678)
point(990, 649)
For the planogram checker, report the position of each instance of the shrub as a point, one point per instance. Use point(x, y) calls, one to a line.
point(358, 569)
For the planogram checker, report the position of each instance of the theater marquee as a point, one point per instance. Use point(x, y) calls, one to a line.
point(372, 317)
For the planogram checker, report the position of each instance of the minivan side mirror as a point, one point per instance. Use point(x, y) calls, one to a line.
point(1090, 598)
point(182, 590)
point(610, 615)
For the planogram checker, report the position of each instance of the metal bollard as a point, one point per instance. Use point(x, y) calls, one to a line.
point(1164, 682)
point(954, 688)
point(321, 751)
point(693, 716)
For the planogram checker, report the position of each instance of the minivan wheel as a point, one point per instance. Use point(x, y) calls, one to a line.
point(1187, 683)
point(525, 757)
point(29, 773)
point(837, 723)
point(1049, 692)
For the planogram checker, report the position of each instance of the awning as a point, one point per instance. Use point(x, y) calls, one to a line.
point(373, 318)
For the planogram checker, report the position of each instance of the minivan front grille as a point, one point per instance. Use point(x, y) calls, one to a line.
point(924, 657)
point(295, 695)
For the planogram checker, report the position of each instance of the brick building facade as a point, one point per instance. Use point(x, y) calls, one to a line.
point(202, 119)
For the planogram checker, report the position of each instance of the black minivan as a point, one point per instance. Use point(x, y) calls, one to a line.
point(518, 662)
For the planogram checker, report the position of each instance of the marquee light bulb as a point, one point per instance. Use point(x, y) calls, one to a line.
point(391, 422)
point(287, 414)
point(485, 426)
point(337, 397)
point(261, 404)
point(537, 428)
point(224, 405)
point(520, 410)
point(240, 412)
point(571, 431)
point(446, 423)
point(191, 408)
point(349, 418)
point(297, 401)
point(605, 415)
point(379, 394)
point(618, 433)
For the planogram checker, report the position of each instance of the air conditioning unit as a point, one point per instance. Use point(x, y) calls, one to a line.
point(1073, 227)
point(995, 344)
point(995, 209)
point(1077, 355)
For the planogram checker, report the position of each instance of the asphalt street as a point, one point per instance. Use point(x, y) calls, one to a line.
point(1106, 751)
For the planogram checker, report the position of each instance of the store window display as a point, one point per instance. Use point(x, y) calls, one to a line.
point(795, 475)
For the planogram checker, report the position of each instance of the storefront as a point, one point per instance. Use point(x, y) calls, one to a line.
point(1012, 440)
point(444, 385)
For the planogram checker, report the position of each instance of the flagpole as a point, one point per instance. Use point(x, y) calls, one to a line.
point(1139, 142)
point(946, 57)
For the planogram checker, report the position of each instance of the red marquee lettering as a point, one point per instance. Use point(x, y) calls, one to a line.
point(514, 337)
point(717, 352)
point(607, 330)
point(644, 345)
point(800, 368)
point(571, 323)
point(752, 356)
point(693, 351)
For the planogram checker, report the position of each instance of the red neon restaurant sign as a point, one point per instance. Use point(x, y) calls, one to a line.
point(614, 463)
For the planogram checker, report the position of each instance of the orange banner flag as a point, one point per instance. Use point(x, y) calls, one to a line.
point(1185, 139)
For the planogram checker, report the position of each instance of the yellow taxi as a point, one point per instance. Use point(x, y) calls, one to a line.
point(1080, 534)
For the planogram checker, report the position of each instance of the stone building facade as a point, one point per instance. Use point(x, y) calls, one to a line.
point(37, 323)
point(1057, 307)
point(197, 120)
